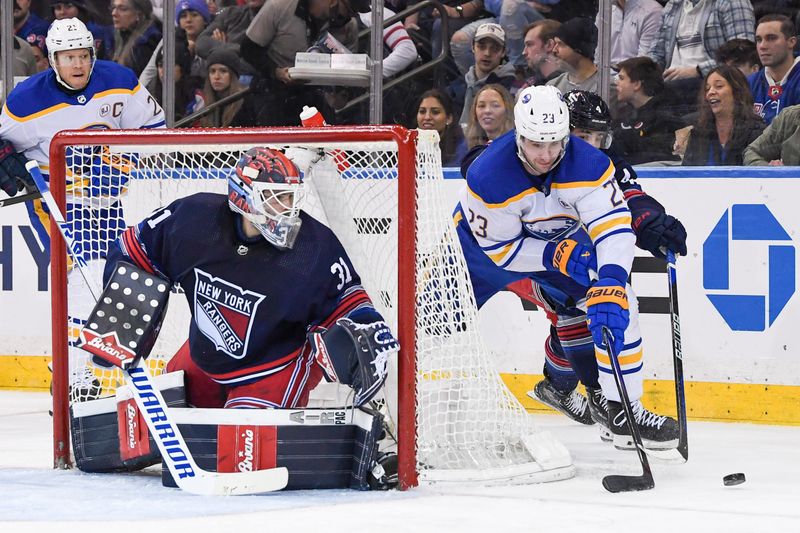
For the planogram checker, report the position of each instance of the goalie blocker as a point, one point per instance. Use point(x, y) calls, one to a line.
point(125, 322)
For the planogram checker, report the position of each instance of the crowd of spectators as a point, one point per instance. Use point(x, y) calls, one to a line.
point(693, 82)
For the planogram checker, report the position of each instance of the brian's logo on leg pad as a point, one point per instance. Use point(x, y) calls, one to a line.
point(134, 441)
point(246, 448)
point(224, 313)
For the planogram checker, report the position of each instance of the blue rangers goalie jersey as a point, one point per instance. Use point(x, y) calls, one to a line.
point(251, 303)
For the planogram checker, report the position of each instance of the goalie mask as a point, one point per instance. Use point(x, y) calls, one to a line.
point(589, 114)
point(268, 190)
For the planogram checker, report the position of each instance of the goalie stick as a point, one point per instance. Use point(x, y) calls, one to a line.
point(622, 483)
point(677, 355)
point(187, 475)
point(66, 231)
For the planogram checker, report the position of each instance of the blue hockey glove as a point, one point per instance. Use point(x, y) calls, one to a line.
point(571, 259)
point(13, 174)
point(607, 306)
point(655, 230)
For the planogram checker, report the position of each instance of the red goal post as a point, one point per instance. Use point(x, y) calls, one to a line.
point(466, 426)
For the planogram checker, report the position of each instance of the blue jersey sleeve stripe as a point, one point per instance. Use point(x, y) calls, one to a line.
point(601, 217)
point(624, 372)
point(632, 345)
point(500, 244)
point(607, 235)
point(156, 125)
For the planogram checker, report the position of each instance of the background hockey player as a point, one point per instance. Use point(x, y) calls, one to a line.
point(275, 301)
point(529, 196)
point(78, 92)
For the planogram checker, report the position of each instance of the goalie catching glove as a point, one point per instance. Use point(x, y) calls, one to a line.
point(125, 322)
point(355, 354)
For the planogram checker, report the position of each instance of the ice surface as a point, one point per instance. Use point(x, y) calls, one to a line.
point(687, 497)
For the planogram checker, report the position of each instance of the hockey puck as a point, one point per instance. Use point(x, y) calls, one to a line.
point(733, 479)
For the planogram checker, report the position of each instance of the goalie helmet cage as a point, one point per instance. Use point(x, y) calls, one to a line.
point(381, 190)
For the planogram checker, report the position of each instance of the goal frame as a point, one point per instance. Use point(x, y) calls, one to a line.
point(405, 140)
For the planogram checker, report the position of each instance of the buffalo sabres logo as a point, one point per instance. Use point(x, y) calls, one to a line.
point(552, 229)
point(81, 99)
point(224, 313)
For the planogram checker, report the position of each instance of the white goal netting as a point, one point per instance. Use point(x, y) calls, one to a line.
point(468, 425)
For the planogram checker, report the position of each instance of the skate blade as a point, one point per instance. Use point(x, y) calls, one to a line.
point(666, 451)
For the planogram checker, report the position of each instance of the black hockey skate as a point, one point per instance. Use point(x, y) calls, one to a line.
point(598, 407)
point(658, 432)
point(573, 403)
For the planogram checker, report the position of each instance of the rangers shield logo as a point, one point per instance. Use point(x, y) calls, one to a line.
point(224, 313)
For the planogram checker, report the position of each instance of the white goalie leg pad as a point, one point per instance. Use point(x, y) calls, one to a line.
point(109, 434)
point(321, 448)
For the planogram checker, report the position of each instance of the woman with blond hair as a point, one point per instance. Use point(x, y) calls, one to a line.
point(491, 115)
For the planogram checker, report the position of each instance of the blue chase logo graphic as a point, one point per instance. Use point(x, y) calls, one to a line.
point(749, 222)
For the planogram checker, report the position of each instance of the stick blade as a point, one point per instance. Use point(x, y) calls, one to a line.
point(618, 483)
point(239, 483)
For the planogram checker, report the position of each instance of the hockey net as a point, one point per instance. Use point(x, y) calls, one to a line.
point(381, 190)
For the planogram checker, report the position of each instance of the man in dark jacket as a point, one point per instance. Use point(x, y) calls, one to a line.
point(645, 131)
point(228, 28)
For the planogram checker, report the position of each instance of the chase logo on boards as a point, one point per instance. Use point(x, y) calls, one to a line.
point(740, 224)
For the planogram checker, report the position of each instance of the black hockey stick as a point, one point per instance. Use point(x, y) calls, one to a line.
point(621, 483)
point(19, 199)
point(677, 355)
point(174, 451)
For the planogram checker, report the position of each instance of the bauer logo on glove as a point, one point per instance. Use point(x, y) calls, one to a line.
point(616, 295)
point(125, 322)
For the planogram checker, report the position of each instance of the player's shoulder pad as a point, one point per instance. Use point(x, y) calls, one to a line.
point(583, 166)
point(109, 76)
point(34, 95)
point(496, 175)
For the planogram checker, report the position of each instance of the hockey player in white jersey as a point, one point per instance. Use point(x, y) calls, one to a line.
point(78, 92)
point(544, 205)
